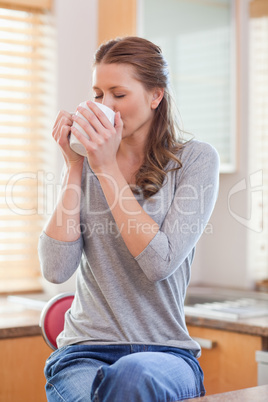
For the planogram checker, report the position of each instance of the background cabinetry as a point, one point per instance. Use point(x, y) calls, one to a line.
point(22, 369)
point(230, 364)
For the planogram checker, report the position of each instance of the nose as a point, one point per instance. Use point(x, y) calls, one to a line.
point(108, 101)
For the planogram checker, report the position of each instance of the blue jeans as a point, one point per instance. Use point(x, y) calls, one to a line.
point(122, 373)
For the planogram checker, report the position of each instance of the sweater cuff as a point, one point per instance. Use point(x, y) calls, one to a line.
point(47, 239)
point(158, 246)
point(59, 259)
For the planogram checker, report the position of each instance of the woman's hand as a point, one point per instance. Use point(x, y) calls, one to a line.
point(104, 139)
point(60, 133)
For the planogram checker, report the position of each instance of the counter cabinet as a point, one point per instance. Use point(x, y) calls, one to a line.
point(22, 369)
point(228, 365)
point(228, 360)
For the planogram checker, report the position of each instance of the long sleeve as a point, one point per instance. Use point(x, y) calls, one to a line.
point(189, 212)
point(58, 259)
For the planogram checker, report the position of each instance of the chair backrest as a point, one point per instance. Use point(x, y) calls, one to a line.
point(52, 317)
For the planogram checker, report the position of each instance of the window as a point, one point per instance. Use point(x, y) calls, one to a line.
point(258, 137)
point(27, 107)
point(198, 39)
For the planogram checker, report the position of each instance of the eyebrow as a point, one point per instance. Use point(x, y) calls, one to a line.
point(114, 87)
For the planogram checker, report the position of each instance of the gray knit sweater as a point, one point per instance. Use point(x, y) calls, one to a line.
point(121, 299)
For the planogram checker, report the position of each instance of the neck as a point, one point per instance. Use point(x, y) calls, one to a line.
point(132, 150)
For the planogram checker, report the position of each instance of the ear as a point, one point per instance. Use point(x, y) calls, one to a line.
point(158, 94)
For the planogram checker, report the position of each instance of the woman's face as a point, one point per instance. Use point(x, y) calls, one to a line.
point(114, 85)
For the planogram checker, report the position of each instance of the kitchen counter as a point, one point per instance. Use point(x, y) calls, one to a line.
point(19, 320)
point(258, 394)
point(22, 319)
point(250, 326)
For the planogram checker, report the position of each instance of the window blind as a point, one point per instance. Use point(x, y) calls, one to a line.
point(258, 140)
point(27, 108)
point(37, 4)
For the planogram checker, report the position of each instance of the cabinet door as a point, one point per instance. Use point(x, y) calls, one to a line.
point(22, 369)
point(116, 18)
point(230, 363)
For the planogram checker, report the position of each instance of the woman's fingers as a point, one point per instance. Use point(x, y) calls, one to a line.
point(89, 145)
point(118, 123)
point(96, 118)
point(98, 115)
point(101, 146)
point(61, 131)
point(64, 119)
point(63, 137)
point(92, 133)
point(62, 114)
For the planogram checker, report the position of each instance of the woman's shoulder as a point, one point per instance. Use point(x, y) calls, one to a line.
point(198, 151)
point(194, 146)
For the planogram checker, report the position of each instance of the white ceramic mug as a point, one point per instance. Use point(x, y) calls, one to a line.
point(74, 143)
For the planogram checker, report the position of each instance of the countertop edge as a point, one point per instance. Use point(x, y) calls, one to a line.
point(17, 332)
point(233, 326)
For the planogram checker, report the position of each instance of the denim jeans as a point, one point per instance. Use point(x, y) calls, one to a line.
point(122, 373)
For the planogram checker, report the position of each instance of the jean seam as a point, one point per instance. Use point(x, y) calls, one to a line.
point(101, 376)
point(95, 396)
point(100, 373)
point(55, 390)
point(48, 369)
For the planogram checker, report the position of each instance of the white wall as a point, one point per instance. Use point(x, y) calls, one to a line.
point(76, 30)
point(76, 24)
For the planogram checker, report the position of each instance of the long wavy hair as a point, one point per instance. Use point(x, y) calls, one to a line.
point(151, 70)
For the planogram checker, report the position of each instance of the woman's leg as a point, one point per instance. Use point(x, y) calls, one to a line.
point(149, 377)
point(70, 372)
point(122, 373)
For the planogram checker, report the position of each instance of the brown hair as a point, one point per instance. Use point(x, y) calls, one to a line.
point(151, 70)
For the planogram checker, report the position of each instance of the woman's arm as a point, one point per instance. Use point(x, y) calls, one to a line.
point(68, 205)
point(60, 245)
point(137, 228)
point(64, 224)
point(187, 217)
point(160, 251)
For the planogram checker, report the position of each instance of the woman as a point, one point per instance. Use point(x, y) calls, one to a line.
point(130, 214)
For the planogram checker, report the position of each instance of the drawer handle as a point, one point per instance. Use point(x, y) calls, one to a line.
point(205, 343)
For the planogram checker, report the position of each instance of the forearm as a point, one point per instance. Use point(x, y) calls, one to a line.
point(136, 227)
point(64, 224)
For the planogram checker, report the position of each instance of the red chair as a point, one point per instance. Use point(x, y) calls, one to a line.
point(52, 317)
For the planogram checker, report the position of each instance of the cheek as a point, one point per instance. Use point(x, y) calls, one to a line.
point(134, 112)
point(138, 110)
point(128, 113)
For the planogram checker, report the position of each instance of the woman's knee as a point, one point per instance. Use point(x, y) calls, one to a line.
point(132, 369)
point(130, 378)
point(146, 376)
